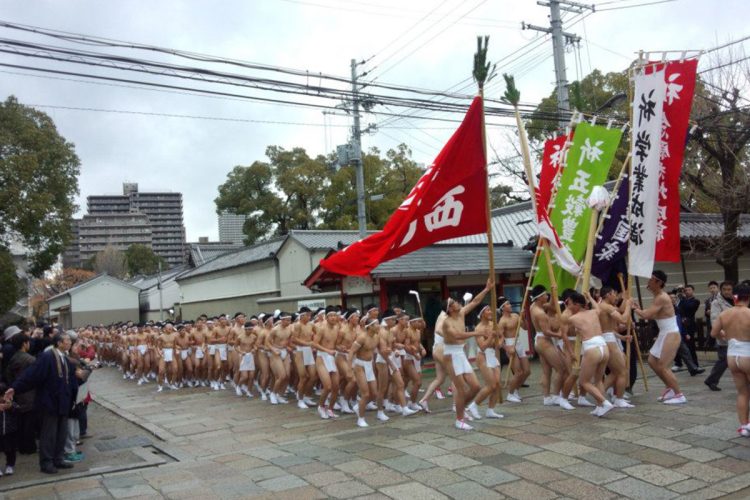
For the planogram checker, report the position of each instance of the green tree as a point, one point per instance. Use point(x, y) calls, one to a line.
point(141, 259)
point(388, 181)
point(282, 194)
point(39, 178)
point(9, 287)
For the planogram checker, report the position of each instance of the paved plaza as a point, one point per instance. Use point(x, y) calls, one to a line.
point(196, 443)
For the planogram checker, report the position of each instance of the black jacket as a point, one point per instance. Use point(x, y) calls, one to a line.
point(55, 393)
point(18, 363)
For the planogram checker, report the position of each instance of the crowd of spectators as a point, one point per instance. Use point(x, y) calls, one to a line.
point(44, 386)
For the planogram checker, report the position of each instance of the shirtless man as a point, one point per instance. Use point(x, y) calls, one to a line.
point(233, 360)
point(662, 354)
point(304, 361)
point(245, 348)
point(360, 359)
point(131, 357)
point(325, 341)
point(199, 335)
point(278, 341)
point(388, 370)
point(567, 349)
point(348, 332)
point(262, 355)
point(489, 366)
point(412, 360)
point(610, 317)
point(144, 361)
point(514, 347)
point(184, 361)
point(551, 357)
point(438, 345)
point(733, 325)
point(400, 334)
point(458, 366)
point(595, 354)
point(220, 337)
point(166, 349)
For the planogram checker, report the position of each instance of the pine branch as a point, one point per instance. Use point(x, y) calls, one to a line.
point(483, 71)
point(512, 95)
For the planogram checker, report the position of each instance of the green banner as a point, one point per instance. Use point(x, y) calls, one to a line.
point(588, 162)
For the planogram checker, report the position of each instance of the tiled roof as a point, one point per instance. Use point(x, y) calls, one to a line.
point(315, 239)
point(694, 225)
point(145, 282)
point(239, 257)
point(200, 253)
point(91, 281)
point(441, 260)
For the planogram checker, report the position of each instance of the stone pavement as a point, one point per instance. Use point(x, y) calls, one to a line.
point(229, 447)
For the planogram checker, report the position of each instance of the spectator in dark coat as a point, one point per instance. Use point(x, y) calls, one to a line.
point(28, 418)
point(8, 427)
point(688, 307)
point(56, 384)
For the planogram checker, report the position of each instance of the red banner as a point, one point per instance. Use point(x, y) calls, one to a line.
point(680, 79)
point(448, 201)
point(553, 161)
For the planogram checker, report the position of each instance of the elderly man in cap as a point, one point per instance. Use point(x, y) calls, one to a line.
point(8, 350)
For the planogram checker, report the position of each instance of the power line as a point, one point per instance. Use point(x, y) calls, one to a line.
point(175, 115)
point(636, 5)
point(399, 12)
point(112, 43)
point(209, 76)
point(408, 30)
point(480, 3)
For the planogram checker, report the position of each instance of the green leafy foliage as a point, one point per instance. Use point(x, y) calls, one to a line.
point(295, 191)
point(39, 177)
point(282, 194)
point(141, 259)
point(9, 286)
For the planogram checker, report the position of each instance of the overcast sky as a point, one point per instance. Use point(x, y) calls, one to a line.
point(193, 156)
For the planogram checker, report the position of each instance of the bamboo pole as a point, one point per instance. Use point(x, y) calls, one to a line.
point(628, 324)
point(635, 334)
point(482, 73)
point(524, 301)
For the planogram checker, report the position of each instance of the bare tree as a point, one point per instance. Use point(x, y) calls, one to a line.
point(716, 170)
point(110, 261)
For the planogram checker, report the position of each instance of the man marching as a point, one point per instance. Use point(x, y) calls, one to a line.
point(459, 369)
point(662, 354)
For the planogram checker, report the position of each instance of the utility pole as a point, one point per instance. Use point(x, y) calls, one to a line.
point(357, 155)
point(559, 39)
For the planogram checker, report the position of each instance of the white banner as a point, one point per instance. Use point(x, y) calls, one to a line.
point(648, 113)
